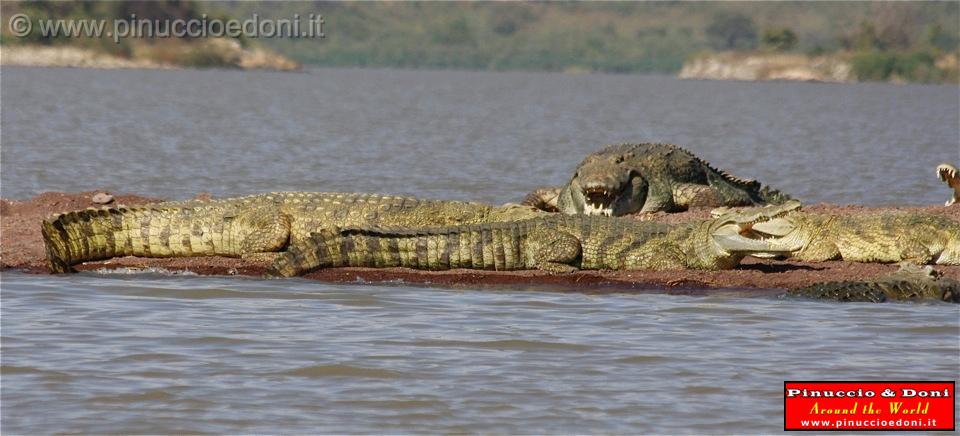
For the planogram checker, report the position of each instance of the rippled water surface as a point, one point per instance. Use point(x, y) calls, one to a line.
point(480, 136)
point(156, 354)
point(151, 353)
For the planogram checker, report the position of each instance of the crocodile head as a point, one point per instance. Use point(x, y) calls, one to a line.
point(789, 229)
point(950, 175)
point(606, 187)
point(733, 230)
point(721, 242)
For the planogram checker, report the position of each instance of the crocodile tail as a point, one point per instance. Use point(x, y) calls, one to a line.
point(74, 237)
point(56, 244)
point(92, 234)
point(726, 176)
point(436, 248)
point(333, 248)
point(772, 196)
point(743, 183)
point(306, 255)
point(843, 291)
point(480, 246)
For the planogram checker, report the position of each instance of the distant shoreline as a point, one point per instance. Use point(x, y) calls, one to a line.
point(226, 53)
point(731, 66)
point(829, 68)
point(758, 67)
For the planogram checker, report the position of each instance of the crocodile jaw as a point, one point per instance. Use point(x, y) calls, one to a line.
point(735, 230)
point(740, 244)
point(951, 176)
point(777, 227)
point(602, 184)
point(597, 210)
point(950, 254)
point(598, 199)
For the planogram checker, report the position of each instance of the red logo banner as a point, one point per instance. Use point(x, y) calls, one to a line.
point(868, 405)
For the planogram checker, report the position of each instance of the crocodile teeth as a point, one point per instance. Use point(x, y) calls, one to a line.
point(597, 210)
point(946, 171)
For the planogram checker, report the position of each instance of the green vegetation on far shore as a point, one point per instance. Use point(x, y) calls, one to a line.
point(910, 41)
point(882, 40)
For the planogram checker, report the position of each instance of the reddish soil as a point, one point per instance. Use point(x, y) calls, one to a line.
point(21, 247)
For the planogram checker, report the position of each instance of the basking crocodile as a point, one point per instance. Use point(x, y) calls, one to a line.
point(951, 176)
point(628, 178)
point(888, 236)
point(911, 282)
point(557, 243)
point(243, 226)
point(544, 198)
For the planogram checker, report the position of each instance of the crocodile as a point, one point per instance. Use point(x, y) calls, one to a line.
point(649, 177)
point(911, 282)
point(544, 198)
point(557, 244)
point(253, 227)
point(950, 175)
point(885, 237)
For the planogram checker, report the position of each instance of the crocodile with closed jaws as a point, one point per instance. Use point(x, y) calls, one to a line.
point(557, 244)
point(911, 283)
point(628, 178)
point(885, 237)
point(249, 227)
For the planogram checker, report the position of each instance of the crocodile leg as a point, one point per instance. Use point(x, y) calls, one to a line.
point(302, 256)
point(544, 198)
point(687, 195)
point(659, 254)
point(659, 198)
point(266, 231)
point(552, 251)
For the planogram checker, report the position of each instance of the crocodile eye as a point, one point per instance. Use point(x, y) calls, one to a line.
point(619, 159)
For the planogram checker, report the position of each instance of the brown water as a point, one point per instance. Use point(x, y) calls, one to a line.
point(158, 353)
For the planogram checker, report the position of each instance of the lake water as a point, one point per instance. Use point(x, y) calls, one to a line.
point(151, 353)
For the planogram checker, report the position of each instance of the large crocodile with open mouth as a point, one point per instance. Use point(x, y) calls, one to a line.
point(950, 175)
point(885, 237)
point(910, 283)
point(255, 226)
point(557, 244)
point(628, 178)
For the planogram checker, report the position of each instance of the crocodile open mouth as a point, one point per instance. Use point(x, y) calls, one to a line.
point(758, 229)
point(599, 200)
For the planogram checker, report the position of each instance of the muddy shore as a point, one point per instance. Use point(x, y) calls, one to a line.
point(21, 247)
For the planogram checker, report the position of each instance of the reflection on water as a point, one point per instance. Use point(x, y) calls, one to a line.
point(147, 353)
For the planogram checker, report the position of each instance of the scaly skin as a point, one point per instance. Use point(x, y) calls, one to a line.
point(950, 175)
point(887, 237)
point(911, 282)
point(629, 178)
point(544, 198)
point(244, 226)
point(557, 244)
